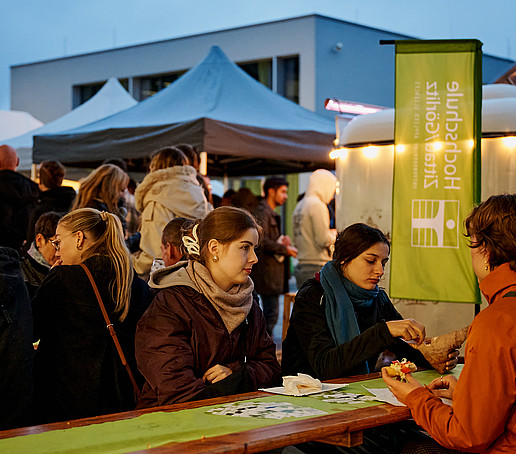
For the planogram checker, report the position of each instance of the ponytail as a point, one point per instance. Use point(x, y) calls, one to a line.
point(105, 230)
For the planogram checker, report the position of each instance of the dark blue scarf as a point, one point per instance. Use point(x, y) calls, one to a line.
point(343, 299)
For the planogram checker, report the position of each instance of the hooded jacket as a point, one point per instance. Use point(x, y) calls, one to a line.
point(311, 220)
point(182, 335)
point(163, 195)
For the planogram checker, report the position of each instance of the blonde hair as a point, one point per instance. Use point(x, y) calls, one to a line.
point(167, 157)
point(105, 230)
point(103, 184)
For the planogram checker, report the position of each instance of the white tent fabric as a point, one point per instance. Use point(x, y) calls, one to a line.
point(14, 122)
point(110, 99)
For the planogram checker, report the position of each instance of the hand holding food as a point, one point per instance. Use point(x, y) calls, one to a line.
point(398, 369)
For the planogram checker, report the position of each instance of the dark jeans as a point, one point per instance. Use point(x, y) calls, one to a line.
point(270, 307)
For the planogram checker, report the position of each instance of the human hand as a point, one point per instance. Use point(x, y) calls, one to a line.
point(407, 329)
point(453, 359)
point(216, 373)
point(292, 251)
point(58, 262)
point(285, 240)
point(443, 386)
point(399, 388)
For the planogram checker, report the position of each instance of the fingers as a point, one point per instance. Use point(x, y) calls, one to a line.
point(407, 329)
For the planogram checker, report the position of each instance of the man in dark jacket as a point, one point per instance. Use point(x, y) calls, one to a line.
point(270, 275)
point(18, 196)
point(16, 350)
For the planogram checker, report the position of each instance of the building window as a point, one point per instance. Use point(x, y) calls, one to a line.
point(150, 85)
point(260, 71)
point(82, 93)
point(288, 78)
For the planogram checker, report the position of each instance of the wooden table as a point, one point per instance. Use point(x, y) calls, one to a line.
point(343, 428)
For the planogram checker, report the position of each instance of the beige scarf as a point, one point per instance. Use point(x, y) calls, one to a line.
point(233, 306)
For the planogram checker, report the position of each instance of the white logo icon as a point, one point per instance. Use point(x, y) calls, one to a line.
point(435, 223)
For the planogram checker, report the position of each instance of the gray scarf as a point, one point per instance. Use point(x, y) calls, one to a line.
point(233, 306)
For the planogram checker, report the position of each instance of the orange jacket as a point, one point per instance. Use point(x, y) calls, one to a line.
point(482, 418)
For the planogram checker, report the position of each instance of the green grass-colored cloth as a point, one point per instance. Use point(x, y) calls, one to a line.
point(158, 428)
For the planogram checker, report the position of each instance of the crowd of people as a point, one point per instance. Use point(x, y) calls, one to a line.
point(126, 295)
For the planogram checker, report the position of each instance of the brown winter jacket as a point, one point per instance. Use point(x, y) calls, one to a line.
point(182, 335)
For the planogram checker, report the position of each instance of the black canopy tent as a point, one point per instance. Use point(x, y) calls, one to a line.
point(244, 127)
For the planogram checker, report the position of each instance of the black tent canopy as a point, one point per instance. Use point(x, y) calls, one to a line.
point(244, 127)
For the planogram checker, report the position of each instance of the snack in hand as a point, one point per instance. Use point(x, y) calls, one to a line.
point(302, 384)
point(400, 368)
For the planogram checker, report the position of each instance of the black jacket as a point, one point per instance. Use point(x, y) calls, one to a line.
point(269, 275)
point(309, 347)
point(18, 196)
point(16, 350)
point(78, 372)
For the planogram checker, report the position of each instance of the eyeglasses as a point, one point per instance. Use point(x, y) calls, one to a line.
point(56, 244)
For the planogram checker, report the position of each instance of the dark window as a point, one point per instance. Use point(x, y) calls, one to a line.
point(150, 85)
point(259, 70)
point(288, 78)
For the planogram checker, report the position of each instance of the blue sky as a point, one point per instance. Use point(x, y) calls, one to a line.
point(36, 30)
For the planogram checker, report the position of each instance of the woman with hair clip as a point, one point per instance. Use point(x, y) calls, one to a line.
point(482, 417)
point(78, 370)
point(204, 333)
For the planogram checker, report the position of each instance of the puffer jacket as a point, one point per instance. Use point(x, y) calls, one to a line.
point(163, 195)
point(182, 335)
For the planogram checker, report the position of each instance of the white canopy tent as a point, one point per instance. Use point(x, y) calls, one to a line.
point(14, 122)
point(110, 99)
point(365, 172)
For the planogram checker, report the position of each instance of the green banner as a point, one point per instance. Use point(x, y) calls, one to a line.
point(436, 169)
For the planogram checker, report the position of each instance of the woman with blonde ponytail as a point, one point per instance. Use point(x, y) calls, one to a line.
point(78, 370)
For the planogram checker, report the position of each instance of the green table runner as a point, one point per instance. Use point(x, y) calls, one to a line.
point(155, 429)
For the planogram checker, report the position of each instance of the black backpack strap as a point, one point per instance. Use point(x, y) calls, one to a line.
point(509, 294)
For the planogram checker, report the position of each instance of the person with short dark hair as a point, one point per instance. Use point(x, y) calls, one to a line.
point(18, 197)
point(53, 195)
point(272, 272)
point(482, 416)
point(171, 240)
point(41, 255)
point(204, 333)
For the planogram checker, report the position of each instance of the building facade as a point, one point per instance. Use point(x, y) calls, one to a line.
point(306, 59)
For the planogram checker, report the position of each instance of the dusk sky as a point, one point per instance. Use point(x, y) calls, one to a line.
point(35, 30)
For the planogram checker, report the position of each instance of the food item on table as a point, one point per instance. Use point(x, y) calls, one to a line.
point(301, 384)
point(400, 368)
point(436, 349)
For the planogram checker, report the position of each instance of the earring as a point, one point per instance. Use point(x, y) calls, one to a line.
point(215, 258)
point(487, 266)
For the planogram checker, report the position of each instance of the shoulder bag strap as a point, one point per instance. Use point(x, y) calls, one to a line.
point(112, 331)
